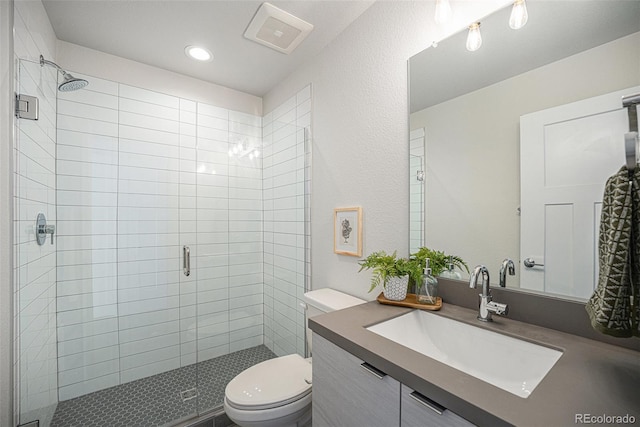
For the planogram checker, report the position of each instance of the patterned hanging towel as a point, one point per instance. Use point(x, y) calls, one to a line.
point(613, 307)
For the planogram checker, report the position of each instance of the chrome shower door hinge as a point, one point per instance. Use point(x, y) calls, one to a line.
point(26, 107)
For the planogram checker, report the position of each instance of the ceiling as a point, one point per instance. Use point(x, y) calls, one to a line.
point(155, 32)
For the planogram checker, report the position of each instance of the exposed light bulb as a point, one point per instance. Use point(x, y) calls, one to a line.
point(519, 15)
point(443, 11)
point(474, 38)
point(256, 153)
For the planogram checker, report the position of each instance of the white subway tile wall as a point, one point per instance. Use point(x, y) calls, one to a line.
point(35, 358)
point(142, 175)
point(417, 187)
point(149, 252)
point(286, 192)
point(88, 347)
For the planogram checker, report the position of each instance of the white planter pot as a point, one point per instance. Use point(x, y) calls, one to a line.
point(395, 288)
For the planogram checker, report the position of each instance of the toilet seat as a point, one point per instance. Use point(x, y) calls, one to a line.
point(270, 384)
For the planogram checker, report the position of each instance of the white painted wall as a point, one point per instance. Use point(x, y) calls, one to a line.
point(476, 161)
point(109, 67)
point(361, 130)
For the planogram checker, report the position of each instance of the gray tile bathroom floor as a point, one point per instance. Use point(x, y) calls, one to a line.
point(156, 400)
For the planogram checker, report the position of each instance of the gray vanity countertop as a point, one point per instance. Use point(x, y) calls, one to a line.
point(590, 378)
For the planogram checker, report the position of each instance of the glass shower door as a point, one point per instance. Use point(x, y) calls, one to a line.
point(156, 290)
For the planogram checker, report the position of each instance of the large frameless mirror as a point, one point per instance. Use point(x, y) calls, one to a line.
point(511, 145)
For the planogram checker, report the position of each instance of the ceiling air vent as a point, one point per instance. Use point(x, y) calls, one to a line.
point(277, 29)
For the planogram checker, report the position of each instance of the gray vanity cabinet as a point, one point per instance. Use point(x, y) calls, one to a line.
point(346, 394)
point(349, 392)
point(419, 411)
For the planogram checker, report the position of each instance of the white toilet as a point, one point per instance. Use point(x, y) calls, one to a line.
point(277, 392)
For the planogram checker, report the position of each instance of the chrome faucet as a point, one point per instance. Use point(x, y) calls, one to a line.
point(507, 264)
point(486, 306)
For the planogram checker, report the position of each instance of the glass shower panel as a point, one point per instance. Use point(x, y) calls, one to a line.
point(286, 191)
point(87, 172)
point(35, 265)
point(229, 248)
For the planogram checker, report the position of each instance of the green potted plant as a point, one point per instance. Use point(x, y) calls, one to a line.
point(439, 261)
point(392, 272)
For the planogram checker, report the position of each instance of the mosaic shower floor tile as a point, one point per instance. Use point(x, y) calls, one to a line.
point(162, 399)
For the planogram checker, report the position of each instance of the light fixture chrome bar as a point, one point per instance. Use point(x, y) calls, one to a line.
point(630, 102)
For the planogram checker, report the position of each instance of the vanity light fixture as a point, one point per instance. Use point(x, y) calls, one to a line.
point(443, 11)
point(474, 38)
point(519, 15)
point(198, 53)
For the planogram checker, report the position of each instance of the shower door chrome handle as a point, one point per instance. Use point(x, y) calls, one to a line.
point(186, 260)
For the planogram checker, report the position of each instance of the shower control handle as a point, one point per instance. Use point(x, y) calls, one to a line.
point(50, 229)
point(186, 260)
point(42, 229)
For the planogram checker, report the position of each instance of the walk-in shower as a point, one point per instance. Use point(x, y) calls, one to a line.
point(109, 328)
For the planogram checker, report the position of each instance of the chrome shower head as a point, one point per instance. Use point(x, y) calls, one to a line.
point(69, 82)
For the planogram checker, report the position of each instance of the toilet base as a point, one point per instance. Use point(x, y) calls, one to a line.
point(299, 415)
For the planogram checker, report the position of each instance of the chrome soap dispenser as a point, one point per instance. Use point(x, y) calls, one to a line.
point(427, 292)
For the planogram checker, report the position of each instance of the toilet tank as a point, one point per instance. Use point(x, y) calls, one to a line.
point(324, 300)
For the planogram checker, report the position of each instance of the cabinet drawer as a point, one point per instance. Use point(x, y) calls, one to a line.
point(419, 412)
point(345, 394)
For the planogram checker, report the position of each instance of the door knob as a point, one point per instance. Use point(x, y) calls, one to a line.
point(530, 263)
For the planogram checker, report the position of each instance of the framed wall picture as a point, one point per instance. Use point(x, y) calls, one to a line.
point(347, 231)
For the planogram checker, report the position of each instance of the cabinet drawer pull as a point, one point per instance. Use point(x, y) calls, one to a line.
point(435, 407)
point(373, 370)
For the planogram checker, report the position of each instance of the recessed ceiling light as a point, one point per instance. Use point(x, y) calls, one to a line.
point(198, 53)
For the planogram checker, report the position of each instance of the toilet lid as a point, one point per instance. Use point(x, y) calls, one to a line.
point(270, 384)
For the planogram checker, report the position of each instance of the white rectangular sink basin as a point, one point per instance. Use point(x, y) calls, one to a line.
point(512, 364)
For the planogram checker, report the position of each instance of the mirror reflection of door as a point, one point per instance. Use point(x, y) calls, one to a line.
point(567, 153)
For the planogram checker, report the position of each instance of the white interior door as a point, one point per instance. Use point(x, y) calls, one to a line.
point(567, 153)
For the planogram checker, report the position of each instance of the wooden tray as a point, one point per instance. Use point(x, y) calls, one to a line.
point(410, 301)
